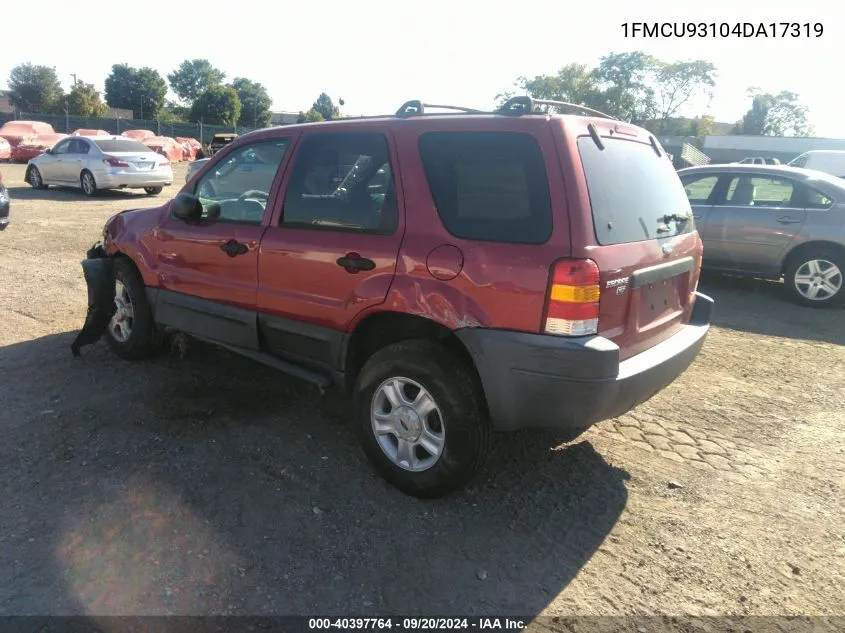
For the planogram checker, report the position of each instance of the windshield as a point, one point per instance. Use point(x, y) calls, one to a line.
point(121, 145)
point(634, 193)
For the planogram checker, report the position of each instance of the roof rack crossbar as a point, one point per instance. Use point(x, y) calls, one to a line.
point(517, 106)
point(417, 107)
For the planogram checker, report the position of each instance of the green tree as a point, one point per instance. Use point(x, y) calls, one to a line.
point(677, 83)
point(775, 115)
point(193, 77)
point(35, 88)
point(84, 100)
point(312, 116)
point(573, 83)
point(326, 107)
point(141, 90)
point(217, 105)
point(255, 102)
point(626, 81)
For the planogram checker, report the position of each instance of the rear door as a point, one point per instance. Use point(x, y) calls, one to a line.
point(753, 222)
point(331, 253)
point(645, 242)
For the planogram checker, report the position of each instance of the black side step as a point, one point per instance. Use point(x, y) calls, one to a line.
point(316, 378)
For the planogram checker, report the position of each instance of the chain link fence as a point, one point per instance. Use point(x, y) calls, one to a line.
point(66, 124)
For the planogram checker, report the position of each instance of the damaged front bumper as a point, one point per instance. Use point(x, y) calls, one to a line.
point(98, 269)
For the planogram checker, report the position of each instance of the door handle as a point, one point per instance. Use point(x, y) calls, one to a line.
point(233, 248)
point(788, 220)
point(353, 263)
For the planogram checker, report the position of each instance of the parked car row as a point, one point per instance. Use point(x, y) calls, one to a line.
point(23, 140)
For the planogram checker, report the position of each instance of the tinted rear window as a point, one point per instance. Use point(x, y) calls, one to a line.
point(121, 145)
point(489, 186)
point(631, 190)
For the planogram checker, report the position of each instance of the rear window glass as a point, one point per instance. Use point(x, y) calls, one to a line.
point(632, 192)
point(121, 145)
point(489, 186)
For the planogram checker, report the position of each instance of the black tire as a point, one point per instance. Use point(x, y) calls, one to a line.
point(796, 262)
point(456, 390)
point(153, 191)
point(33, 177)
point(88, 183)
point(143, 340)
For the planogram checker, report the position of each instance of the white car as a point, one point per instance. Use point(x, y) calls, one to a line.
point(95, 163)
point(830, 161)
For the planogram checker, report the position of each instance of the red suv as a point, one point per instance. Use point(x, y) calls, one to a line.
point(457, 274)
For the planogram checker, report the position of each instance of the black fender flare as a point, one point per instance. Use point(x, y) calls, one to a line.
point(98, 269)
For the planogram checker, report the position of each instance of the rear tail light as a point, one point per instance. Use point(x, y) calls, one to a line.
point(111, 161)
point(573, 302)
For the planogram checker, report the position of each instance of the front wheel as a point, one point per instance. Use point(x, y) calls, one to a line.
point(131, 332)
point(153, 191)
point(421, 418)
point(815, 279)
point(88, 184)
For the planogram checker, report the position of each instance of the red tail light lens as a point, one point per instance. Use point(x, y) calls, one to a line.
point(573, 302)
point(111, 161)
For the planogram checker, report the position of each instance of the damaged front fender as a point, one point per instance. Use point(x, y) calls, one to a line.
point(98, 269)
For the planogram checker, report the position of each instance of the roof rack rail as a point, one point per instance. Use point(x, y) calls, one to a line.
point(516, 106)
point(417, 107)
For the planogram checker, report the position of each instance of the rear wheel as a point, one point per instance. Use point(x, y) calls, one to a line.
point(815, 278)
point(421, 418)
point(153, 191)
point(33, 177)
point(131, 332)
point(88, 184)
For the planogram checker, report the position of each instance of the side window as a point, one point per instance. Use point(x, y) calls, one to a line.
point(489, 186)
point(63, 147)
point(800, 161)
point(699, 189)
point(238, 188)
point(78, 146)
point(342, 181)
point(817, 200)
point(757, 191)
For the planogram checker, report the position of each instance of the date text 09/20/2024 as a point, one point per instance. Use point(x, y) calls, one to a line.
point(723, 29)
point(417, 624)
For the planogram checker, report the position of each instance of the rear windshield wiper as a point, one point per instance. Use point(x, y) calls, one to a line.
point(677, 217)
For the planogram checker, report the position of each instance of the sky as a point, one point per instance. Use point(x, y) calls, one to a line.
point(377, 54)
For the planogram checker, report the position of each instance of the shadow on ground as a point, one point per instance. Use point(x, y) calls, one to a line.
point(72, 194)
point(212, 485)
point(764, 307)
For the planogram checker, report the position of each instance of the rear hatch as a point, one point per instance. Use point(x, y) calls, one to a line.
point(645, 242)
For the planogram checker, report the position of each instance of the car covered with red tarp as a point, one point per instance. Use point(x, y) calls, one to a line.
point(15, 131)
point(165, 146)
point(190, 147)
point(139, 135)
point(86, 132)
point(35, 145)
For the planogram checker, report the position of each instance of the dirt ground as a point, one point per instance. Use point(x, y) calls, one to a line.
point(213, 486)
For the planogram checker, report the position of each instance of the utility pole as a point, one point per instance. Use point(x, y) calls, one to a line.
point(74, 78)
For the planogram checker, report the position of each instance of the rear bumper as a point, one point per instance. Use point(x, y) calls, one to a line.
point(534, 380)
point(111, 180)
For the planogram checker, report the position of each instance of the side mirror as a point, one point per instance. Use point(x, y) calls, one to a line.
point(50, 151)
point(186, 207)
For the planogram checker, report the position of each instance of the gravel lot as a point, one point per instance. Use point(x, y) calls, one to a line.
point(208, 485)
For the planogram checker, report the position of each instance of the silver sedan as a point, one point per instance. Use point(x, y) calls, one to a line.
point(95, 163)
